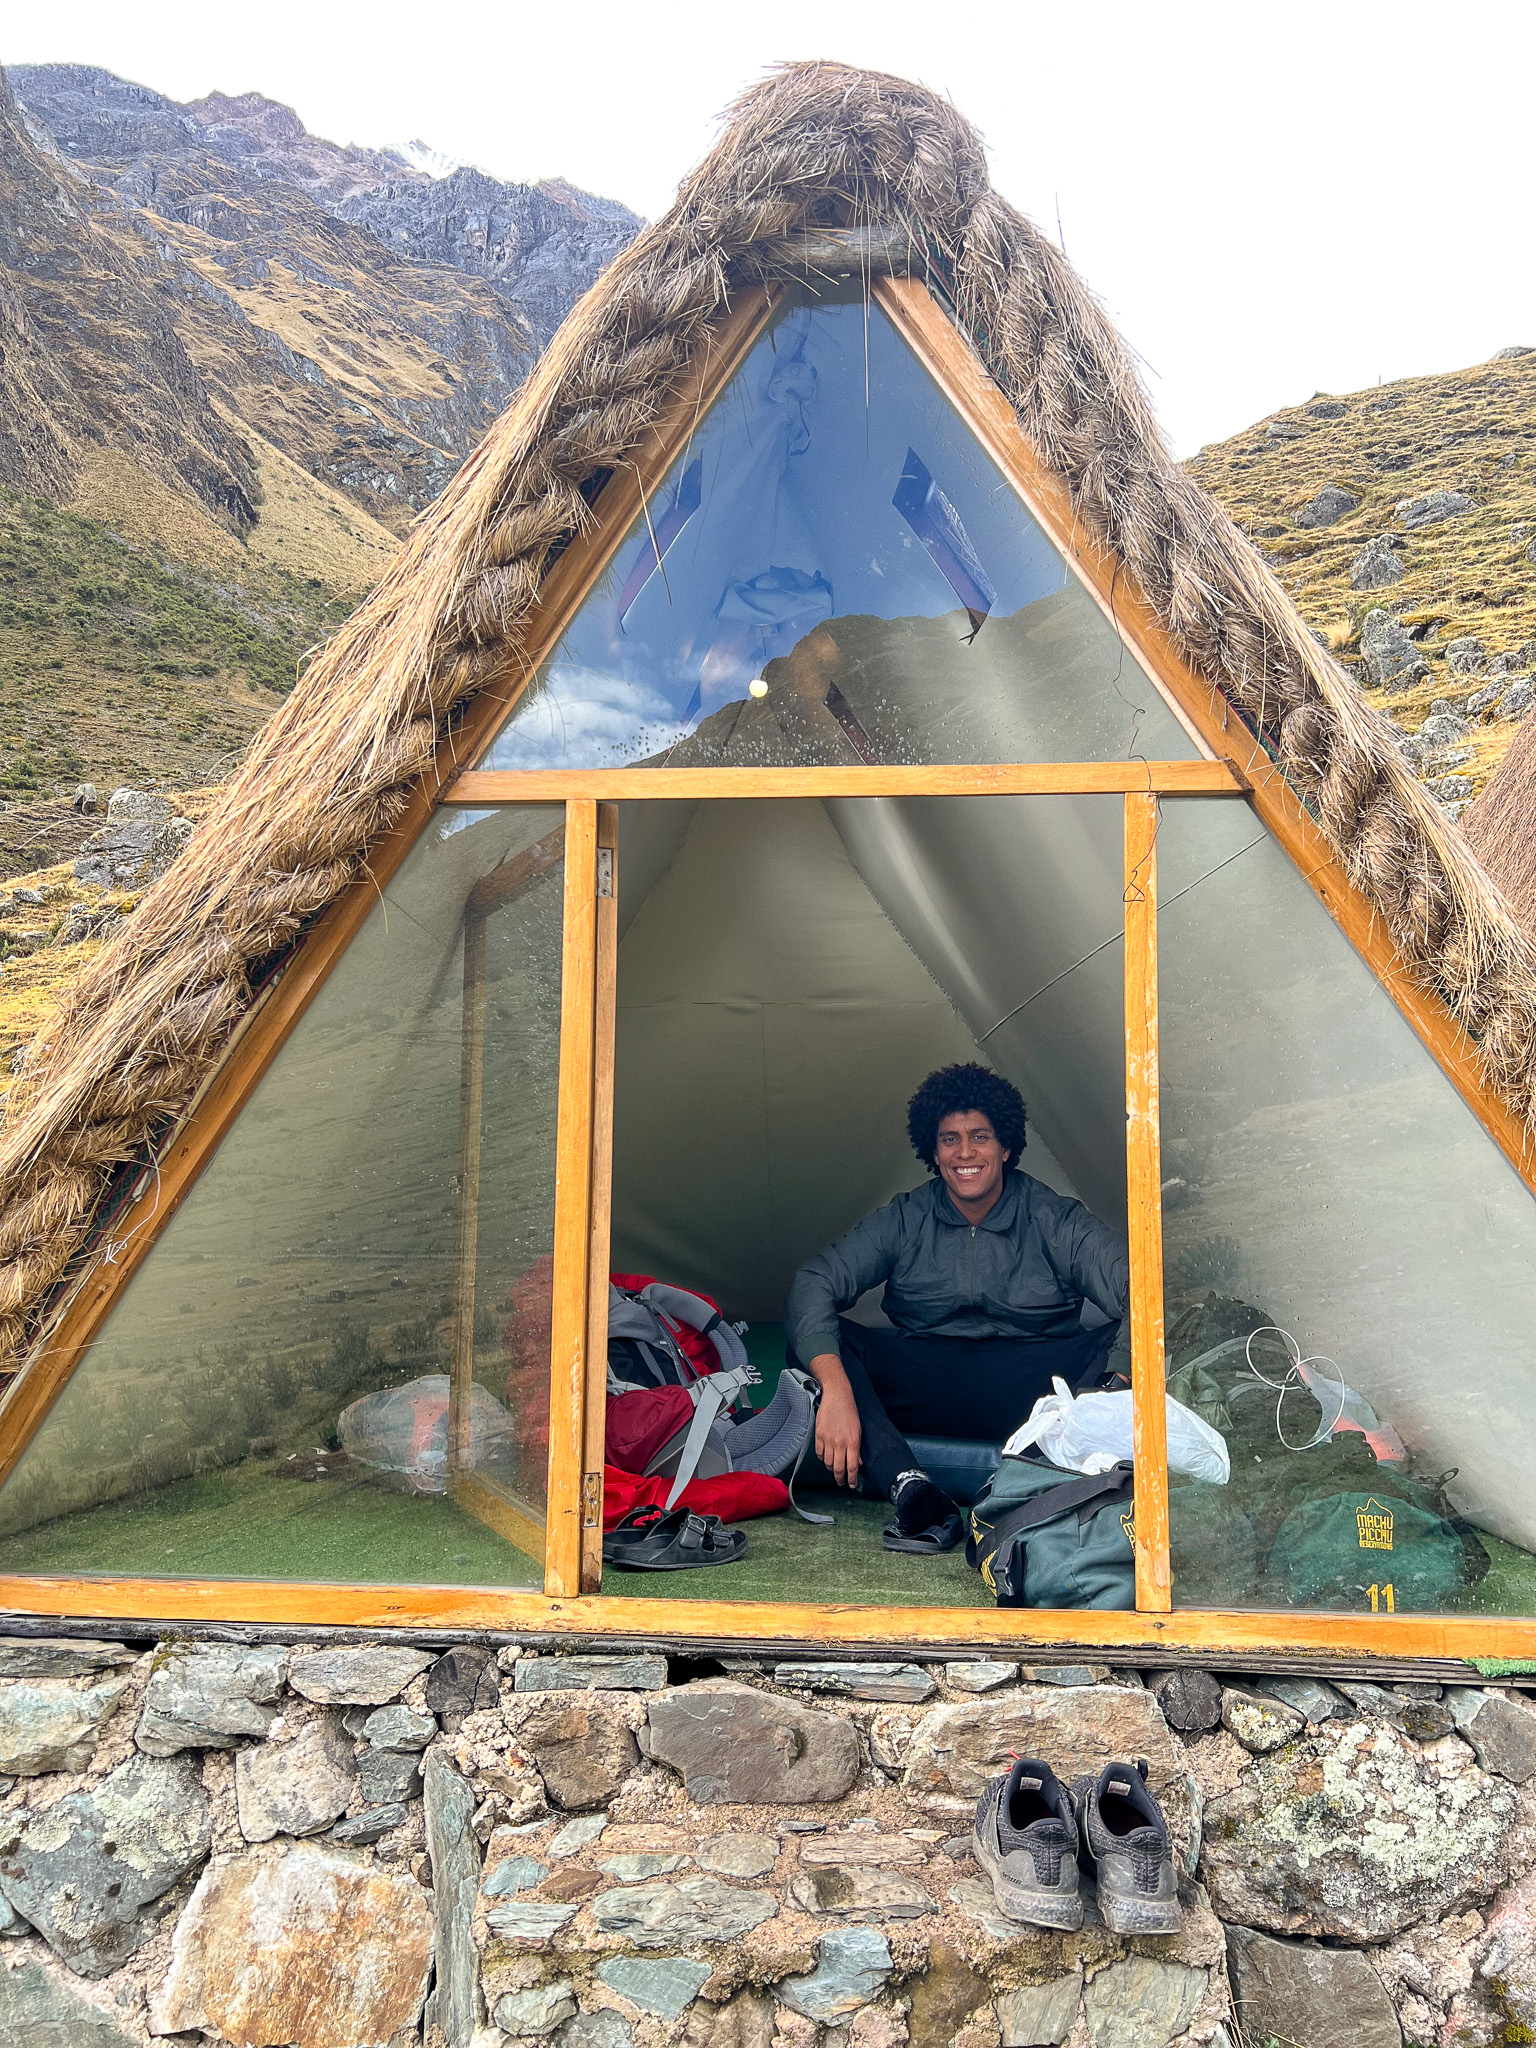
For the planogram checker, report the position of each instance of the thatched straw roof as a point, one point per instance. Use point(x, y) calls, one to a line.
point(815, 144)
point(1501, 826)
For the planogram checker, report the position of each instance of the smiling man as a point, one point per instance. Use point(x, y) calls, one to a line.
point(986, 1272)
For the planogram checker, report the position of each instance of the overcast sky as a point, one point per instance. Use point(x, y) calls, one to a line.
point(1269, 201)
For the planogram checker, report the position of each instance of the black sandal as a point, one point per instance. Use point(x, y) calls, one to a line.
point(651, 1540)
point(931, 1542)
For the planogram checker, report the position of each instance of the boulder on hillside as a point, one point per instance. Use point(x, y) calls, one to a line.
point(1435, 507)
point(1331, 503)
point(1392, 662)
point(1379, 563)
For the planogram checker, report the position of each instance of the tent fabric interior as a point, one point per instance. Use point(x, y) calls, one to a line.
point(787, 972)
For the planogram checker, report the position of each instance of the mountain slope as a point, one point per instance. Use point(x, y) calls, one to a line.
point(1453, 569)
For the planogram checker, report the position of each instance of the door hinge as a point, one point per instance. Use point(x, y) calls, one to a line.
point(605, 871)
point(592, 1500)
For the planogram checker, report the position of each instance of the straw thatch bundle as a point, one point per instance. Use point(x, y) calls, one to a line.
point(815, 144)
point(1501, 826)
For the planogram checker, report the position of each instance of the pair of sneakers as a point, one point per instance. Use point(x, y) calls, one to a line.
point(1031, 1836)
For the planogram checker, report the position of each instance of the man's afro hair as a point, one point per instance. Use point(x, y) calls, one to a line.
point(952, 1090)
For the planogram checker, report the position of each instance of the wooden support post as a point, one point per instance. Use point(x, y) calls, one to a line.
point(602, 1195)
point(573, 1204)
point(471, 1100)
point(1154, 1579)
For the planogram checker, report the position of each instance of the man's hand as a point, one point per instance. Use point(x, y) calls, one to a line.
point(837, 1420)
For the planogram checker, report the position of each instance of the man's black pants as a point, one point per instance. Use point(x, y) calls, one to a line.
point(977, 1387)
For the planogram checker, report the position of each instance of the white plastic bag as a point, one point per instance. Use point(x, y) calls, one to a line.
point(1093, 1431)
point(404, 1430)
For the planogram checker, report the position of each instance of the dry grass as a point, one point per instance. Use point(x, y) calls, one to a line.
point(148, 1018)
point(1469, 430)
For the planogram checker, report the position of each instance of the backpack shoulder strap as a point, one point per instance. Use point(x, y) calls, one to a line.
point(1088, 1494)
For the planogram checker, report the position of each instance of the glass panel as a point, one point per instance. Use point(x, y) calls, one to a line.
point(1350, 1262)
point(234, 1418)
point(835, 573)
point(788, 974)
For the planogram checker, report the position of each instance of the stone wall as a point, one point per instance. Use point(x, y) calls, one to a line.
point(328, 1845)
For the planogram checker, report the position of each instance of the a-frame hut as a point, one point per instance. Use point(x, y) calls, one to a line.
point(821, 673)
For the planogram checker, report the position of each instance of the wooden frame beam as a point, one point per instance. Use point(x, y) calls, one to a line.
point(483, 786)
point(605, 994)
point(573, 1204)
point(1144, 1209)
point(608, 1619)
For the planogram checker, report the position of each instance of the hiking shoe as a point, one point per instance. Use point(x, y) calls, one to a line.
point(927, 1521)
point(1025, 1839)
point(1126, 1838)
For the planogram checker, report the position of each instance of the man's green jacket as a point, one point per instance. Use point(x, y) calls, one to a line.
point(1024, 1271)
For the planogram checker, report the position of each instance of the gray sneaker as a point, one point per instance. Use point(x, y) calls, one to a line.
point(1126, 1837)
point(1025, 1839)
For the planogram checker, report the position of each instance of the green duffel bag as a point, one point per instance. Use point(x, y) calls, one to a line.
point(1041, 1537)
point(1375, 1552)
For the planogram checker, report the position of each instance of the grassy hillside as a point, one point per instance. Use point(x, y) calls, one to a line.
point(1470, 431)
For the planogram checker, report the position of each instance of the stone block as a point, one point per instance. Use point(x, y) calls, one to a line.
point(1260, 1722)
point(852, 1966)
point(1501, 1731)
point(736, 1746)
point(60, 1656)
point(371, 1826)
point(463, 1681)
point(861, 1845)
point(578, 1834)
point(38, 2011)
point(956, 1749)
point(311, 1945)
point(1190, 1698)
point(692, 1909)
point(208, 1696)
point(529, 1923)
point(977, 1902)
point(1378, 564)
point(1425, 1720)
point(1041, 2015)
point(456, 2008)
point(644, 1673)
point(634, 1865)
point(1314, 1698)
point(355, 1678)
point(297, 1787)
point(905, 1684)
point(581, 1745)
point(386, 1775)
point(538, 2011)
point(981, 1674)
point(1141, 2003)
point(1352, 1833)
point(89, 1870)
point(858, 1892)
point(738, 1855)
point(1293, 1991)
point(1331, 503)
point(661, 1984)
point(513, 1874)
point(46, 1724)
point(399, 1728)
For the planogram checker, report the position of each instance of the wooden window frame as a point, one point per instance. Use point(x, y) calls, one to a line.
point(1231, 763)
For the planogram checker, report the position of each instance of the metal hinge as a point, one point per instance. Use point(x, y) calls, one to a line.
point(592, 1500)
point(605, 871)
